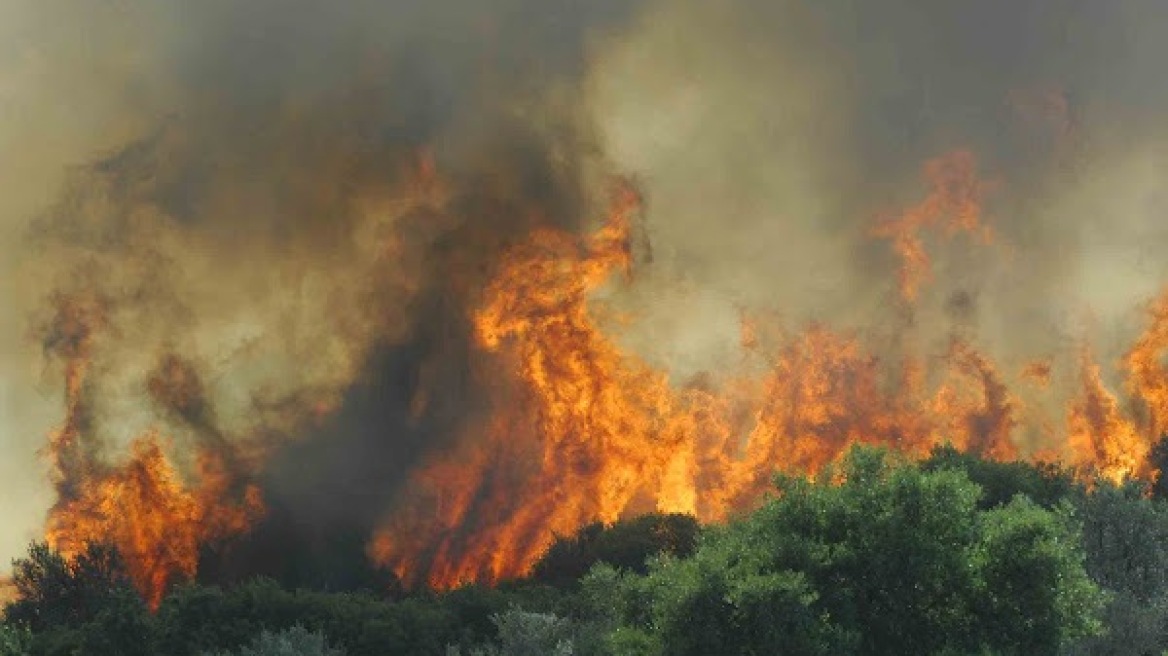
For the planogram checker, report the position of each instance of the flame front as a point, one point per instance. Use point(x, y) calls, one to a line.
point(141, 507)
point(144, 510)
point(581, 430)
point(354, 284)
point(578, 429)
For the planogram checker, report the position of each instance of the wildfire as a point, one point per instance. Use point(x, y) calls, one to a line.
point(1148, 377)
point(1099, 434)
point(586, 431)
point(578, 429)
point(954, 204)
point(142, 507)
point(144, 510)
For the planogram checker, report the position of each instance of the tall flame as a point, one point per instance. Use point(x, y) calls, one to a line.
point(578, 429)
point(157, 524)
point(586, 431)
point(142, 507)
point(954, 205)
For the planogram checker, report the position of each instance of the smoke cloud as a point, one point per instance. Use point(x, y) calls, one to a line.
point(286, 208)
point(772, 136)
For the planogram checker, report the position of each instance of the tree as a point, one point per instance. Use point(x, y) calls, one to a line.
point(1046, 484)
point(1158, 461)
point(627, 544)
point(1035, 595)
point(55, 591)
point(123, 627)
point(295, 641)
point(1125, 536)
point(522, 633)
point(877, 557)
point(14, 640)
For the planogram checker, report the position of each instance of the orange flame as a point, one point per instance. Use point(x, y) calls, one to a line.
point(157, 525)
point(585, 431)
point(954, 203)
point(1098, 433)
point(142, 508)
point(577, 430)
point(1148, 377)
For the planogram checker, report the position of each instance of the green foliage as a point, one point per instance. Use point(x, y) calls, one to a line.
point(626, 544)
point(1043, 483)
point(296, 641)
point(54, 591)
point(122, 627)
point(892, 560)
point(1125, 535)
point(1039, 595)
point(81, 606)
point(526, 634)
point(1158, 460)
point(953, 556)
point(194, 619)
point(14, 640)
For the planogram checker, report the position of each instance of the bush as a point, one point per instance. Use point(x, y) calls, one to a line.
point(296, 641)
point(55, 591)
point(627, 544)
point(526, 634)
point(878, 557)
point(14, 640)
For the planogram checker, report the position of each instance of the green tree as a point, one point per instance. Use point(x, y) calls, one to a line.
point(14, 640)
point(1035, 596)
point(1158, 460)
point(1046, 484)
point(877, 557)
point(1125, 535)
point(627, 544)
point(295, 641)
point(123, 627)
point(54, 591)
point(522, 633)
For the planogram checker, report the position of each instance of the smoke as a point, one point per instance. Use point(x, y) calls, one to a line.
point(282, 216)
point(56, 110)
point(772, 136)
point(286, 208)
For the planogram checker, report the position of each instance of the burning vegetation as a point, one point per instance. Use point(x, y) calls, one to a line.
point(573, 429)
point(389, 319)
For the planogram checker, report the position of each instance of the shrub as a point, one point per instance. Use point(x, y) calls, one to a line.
point(296, 641)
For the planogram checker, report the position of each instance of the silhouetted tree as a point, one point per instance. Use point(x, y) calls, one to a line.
point(53, 590)
point(627, 544)
point(1158, 461)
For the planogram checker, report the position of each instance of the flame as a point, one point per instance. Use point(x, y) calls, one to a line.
point(1147, 375)
point(576, 429)
point(982, 412)
point(585, 431)
point(954, 204)
point(1098, 434)
point(142, 507)
point(156, 523)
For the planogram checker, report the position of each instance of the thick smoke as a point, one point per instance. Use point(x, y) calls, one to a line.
point(771, 136)
point(285, 208)
point(309, 204)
